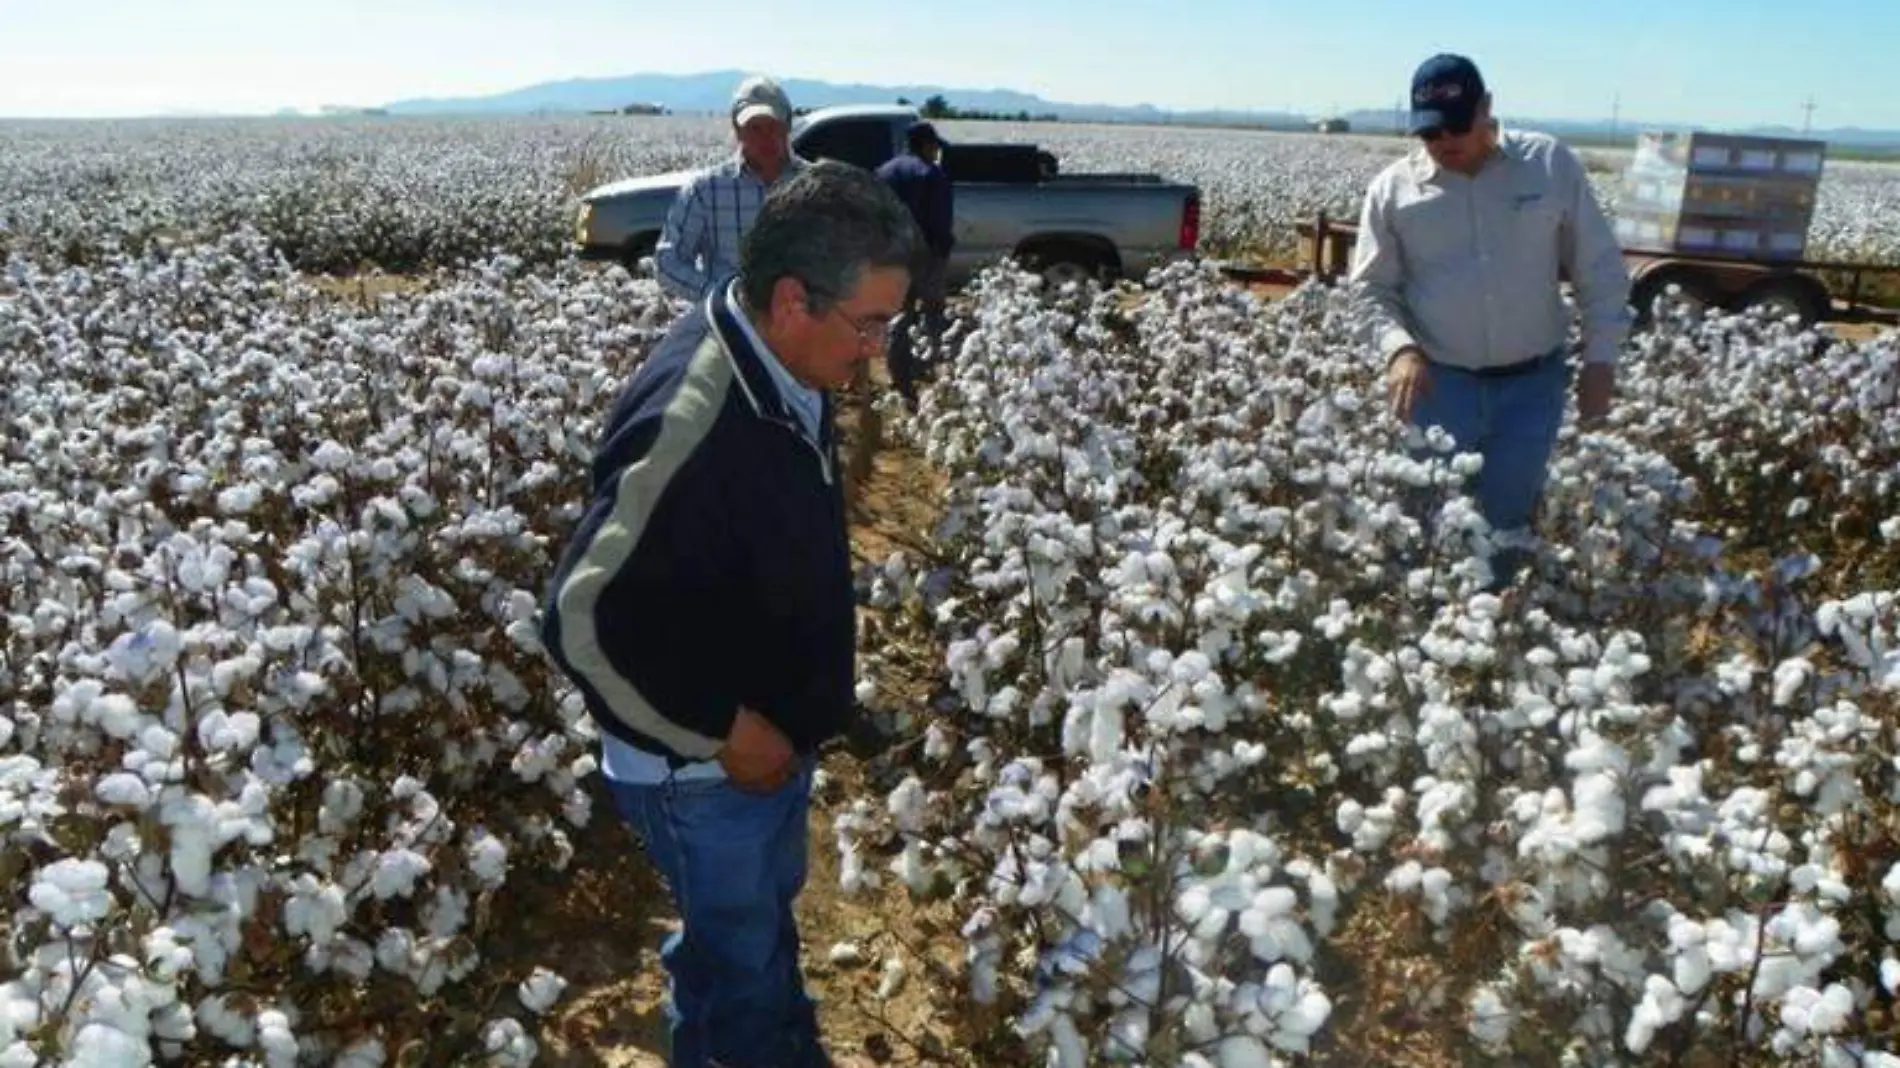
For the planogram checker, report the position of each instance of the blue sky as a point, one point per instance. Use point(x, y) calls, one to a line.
point(1717, 62)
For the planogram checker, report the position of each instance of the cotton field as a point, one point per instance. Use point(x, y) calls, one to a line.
point(409, 194)
point(1196, 750)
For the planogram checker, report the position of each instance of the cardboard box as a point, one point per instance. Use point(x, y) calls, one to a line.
point(1720, 194)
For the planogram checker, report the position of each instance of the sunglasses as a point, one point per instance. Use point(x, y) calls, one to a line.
point(1435, 133)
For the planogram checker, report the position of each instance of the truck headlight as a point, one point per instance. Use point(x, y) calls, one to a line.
point(580, 223)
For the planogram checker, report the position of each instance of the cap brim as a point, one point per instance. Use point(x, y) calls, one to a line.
point(1439, 119)
point(752, 111)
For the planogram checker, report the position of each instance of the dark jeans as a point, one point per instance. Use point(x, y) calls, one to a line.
point(925, 304)
point(735, 862)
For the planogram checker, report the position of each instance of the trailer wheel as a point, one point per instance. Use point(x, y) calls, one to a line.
point(1693, 290)
point(1783, 296)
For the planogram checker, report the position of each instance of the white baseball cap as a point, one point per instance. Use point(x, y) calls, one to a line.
point(760, 95)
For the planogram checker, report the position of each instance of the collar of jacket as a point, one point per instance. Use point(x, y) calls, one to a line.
point(755, 379)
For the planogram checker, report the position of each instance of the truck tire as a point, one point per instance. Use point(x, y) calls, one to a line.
point(1067, 260)
point(1785, 295)
point(639, 247)
point(1693, 288)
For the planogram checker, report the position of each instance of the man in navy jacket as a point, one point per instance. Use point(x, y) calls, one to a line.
point(919, 179)
point(704, 607)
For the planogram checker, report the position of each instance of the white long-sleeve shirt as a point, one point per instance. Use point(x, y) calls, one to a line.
point(1467, 268)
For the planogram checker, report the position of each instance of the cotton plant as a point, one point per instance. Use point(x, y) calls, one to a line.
point(276, 719)
point(1194, 598)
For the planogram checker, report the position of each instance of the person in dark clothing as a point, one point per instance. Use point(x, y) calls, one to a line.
point(704, 609)
point(919, 180)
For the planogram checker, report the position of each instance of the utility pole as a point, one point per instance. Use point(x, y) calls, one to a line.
point(1807, 122)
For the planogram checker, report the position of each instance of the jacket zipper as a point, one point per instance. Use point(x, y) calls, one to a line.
point(824, 462)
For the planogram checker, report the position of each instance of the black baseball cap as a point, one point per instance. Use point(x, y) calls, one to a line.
point(922, 132)
point(1446, 92)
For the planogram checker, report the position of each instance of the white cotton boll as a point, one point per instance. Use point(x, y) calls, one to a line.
point(1071, 1050)
point(116, 714)
point(1194, 904)
point(72, 892)
point(1790, 676)
point(1890, 975)
point(97, 1045)
point(274, 1037)
point(1491, 1021)
point(488, 858)
point(892, 979)
point(317, 909)
point(1693, 970)
point(1351, 814)
point(1302, 1020)
point(540, 990)
point(124, 789)
point(396, 873)
point(906, 805)
point(910, 869)
point(216, 1016)
point(236, 732)
point(1105, 732)
point(508, 1044)
point(1662, 1005)
point(1243, 1051)
point(937, 743)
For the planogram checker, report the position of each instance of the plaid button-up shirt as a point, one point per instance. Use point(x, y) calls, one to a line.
point(699, 246)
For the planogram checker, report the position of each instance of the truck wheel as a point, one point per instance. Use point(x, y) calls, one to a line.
point(1069, 261)
point(638, 248)
point(1692, 290)
point(1788, 295)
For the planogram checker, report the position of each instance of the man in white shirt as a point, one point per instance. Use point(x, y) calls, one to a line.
point(1462, 245)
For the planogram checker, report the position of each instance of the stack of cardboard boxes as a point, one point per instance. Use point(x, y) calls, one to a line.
point(1720, 194)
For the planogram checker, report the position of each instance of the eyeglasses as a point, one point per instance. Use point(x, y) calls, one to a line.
point(874, 331)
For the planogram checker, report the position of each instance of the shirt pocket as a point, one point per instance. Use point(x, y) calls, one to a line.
point(1534, 215)
point(1435, 230)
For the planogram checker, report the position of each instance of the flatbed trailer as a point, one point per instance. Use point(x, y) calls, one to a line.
point(1815, 291)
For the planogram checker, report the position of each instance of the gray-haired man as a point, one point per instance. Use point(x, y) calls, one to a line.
point(699, 242)
point(704, 607)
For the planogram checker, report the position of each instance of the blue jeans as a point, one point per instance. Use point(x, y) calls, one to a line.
point(735, 862)
point(1512, 421)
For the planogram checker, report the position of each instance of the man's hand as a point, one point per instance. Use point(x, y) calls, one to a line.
point(1406, 380)
point(1594, 386)
point(757, 756)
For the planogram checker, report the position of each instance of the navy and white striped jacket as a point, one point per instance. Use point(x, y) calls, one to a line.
point(711, 568)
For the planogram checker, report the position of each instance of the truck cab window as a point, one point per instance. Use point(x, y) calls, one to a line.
point(861, 142)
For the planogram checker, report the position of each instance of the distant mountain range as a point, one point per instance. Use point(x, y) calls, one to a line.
point(709, 92)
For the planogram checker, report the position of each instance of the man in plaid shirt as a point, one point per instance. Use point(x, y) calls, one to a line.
point(699, 245)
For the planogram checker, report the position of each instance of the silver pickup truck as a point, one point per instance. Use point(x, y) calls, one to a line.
point(1066, 226)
